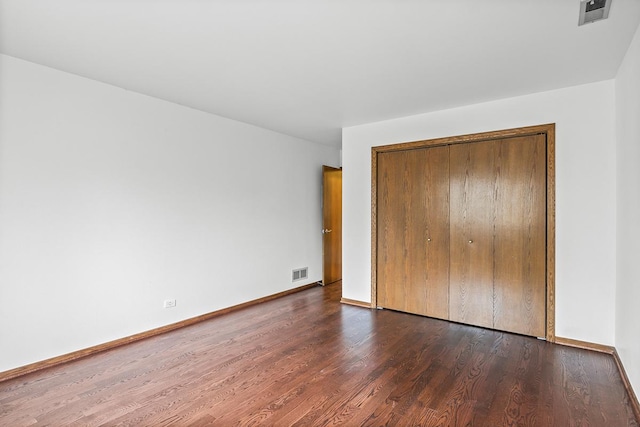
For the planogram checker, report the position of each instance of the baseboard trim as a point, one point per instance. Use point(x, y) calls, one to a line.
point(59, 360)
point(355, 302)
point(600, 348)
point(633, 399)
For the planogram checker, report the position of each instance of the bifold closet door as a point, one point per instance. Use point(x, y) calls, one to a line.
point(413, 231)
point(472, 217)
point(520, 238)
point(498, 234)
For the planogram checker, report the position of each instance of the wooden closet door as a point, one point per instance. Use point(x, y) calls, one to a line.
point(472, 183)
point(413, 231)
point(520, 235)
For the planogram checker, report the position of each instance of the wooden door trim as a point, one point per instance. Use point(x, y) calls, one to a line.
point(549, 131)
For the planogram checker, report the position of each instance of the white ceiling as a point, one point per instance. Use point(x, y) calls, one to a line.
point(308, 68)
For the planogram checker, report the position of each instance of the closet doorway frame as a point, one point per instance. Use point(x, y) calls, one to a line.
point(549, 131)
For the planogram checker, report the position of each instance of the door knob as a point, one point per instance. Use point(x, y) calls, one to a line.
point(429, 239)
point(470, 241)
point(326, 231)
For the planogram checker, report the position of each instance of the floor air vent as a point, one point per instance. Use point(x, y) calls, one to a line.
point(300, 273)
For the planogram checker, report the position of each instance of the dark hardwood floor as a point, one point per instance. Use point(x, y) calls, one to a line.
point(307, 360)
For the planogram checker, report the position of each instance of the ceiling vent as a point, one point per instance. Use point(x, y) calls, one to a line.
point(593, 10)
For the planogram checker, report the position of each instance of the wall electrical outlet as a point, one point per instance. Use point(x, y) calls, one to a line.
point(168, 303)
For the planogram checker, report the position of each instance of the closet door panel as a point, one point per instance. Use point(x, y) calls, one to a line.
point(391, 218)
point(472, 185)
point(520, 235)
point(412, 232)
point(437, 232)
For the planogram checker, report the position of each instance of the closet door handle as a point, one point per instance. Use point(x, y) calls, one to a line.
point(470, 241)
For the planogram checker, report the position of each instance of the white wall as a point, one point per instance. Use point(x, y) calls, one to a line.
point(111, 202)
point(585, 194)
point(628, 210)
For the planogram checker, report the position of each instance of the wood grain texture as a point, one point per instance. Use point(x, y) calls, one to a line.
point(550, 134)
point(633, 397)
point(544, 131)
point(585, 345)
point(473, 182)
point(463, 139)
point(413, 236)
point(436, 213)
point(69, 357)
point(519, 251)
point(307, 360)
point(331, 220)
point(374, 226)
point(355, 302)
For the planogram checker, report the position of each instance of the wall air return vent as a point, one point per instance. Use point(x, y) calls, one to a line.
point(300, 273)
point(593, 10)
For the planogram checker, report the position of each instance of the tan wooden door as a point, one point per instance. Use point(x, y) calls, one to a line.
point(461, 232)
point(520, 239)
point(472, 227)
point(498, 234)
point(413, 236)
point(331, 224)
